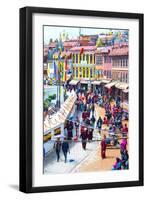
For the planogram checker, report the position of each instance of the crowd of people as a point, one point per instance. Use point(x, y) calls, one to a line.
point(83, 124)
point(123, 161)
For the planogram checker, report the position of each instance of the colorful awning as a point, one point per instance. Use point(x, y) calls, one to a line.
point(73, 82)
point(105, 81)
point(84, 81)
point(96, 82)
point(60, 117)
point(122, 86)
point(109, 85)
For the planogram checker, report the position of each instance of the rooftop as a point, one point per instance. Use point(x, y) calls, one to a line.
point(70, 43)
point(85, 48)
point(124, 51)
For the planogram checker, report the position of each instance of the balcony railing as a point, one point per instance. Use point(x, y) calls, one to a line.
point(83, 65)
point(120, 68)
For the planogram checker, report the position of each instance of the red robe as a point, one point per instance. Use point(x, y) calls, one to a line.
point(103, 148)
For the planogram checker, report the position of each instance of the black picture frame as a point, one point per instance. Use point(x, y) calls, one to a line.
point(26, 99)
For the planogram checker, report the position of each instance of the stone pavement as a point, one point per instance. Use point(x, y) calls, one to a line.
point(74, 159)
point(95, 163)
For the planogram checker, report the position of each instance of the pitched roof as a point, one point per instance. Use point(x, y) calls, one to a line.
point(85, 48)
point(70, 43)
point(124, 51)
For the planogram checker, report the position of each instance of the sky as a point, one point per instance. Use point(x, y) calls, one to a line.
point(73, 32)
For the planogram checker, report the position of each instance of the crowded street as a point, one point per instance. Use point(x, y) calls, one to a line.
point(84, 134)
point(85, 101)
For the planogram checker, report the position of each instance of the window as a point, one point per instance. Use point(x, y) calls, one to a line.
point(80, 71)
point(76, 72)
point(87, 69)
point(107, 59)
point(87, 58)
point(83, 72)
point(126, 77)
point(73, 58)
point(121, 63)
point(91, 72)
point(126, 62)
point(110, 74)
point(99, 60)
point(80, 58)
point(76, 58)
point(94, 72)
point(90, 58)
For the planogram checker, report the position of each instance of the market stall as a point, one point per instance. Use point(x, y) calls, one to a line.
point(73, 82)
point(111, 84)
point(125, 95)
point(120, 87)
point(110, 89)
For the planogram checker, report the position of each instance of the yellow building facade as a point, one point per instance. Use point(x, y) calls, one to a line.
point(84, 67)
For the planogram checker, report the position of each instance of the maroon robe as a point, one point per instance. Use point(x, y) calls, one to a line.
point(103, 148)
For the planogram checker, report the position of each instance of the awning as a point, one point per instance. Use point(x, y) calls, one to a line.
point(122, 86)
point(105, 81)
point(96, 82)
point(73, 82)
point(84, 82)
point(61, 116)
point(109, 85)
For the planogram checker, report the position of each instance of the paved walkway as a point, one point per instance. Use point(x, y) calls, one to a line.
point(74, 159)
point(98, 164)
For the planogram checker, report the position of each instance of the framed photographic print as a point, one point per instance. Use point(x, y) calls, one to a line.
point(81, 99)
